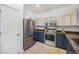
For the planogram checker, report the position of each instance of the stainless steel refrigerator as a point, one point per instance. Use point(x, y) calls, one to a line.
point(28, 31)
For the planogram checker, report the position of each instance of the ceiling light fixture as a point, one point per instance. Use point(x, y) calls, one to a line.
point(37, 6)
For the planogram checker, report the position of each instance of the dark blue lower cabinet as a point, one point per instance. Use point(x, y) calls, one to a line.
point(70, 49)
point(59, 40)
point(62, 42)
point(39, 36)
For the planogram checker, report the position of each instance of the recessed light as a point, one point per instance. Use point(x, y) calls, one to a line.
point(37, 6)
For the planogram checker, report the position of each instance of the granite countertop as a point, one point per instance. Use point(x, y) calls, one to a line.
point(57, 30)
point(41, 30)
point(74, 45)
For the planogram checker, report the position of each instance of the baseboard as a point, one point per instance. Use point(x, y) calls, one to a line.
point(21, 51)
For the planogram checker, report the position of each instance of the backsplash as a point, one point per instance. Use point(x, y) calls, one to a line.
point(69, 28)
point(66, 28)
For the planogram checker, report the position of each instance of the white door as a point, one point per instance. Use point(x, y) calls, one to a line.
point(0, 31)
point(20, 32)
point(9, 30)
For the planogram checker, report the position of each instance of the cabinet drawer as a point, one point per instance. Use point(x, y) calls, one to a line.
point(28, 42)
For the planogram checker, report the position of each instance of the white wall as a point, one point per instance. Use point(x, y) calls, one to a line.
point(57, 12)
point(14, 6)
point(28, 14)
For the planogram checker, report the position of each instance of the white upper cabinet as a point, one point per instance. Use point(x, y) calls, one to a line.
point(36, 22)
point(74, 20)
point(39, 22)
point(69, 17)
point(42, 21)
point(66, 20)
point(59, 20)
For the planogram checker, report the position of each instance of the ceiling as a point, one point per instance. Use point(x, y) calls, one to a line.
point(43, 7)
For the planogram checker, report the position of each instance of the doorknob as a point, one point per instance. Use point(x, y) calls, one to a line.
point(0, 33)
point(18, 34)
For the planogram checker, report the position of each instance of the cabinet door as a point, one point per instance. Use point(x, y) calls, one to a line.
point(74, 18)
point(66, 20)
point(19, 31)
point(40, 22)
point(39, 36)
point(36, 22)
point(64, 42)
point(10, 30)
point(59, 21)
point(36, 35)
point(59, 40)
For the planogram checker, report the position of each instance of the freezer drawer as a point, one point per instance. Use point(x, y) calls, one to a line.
point(28, 42)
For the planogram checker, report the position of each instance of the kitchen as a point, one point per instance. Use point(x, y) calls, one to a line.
point(41, 28)
point(65, 23)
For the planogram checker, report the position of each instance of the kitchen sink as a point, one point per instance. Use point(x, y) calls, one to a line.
point(60, 32)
